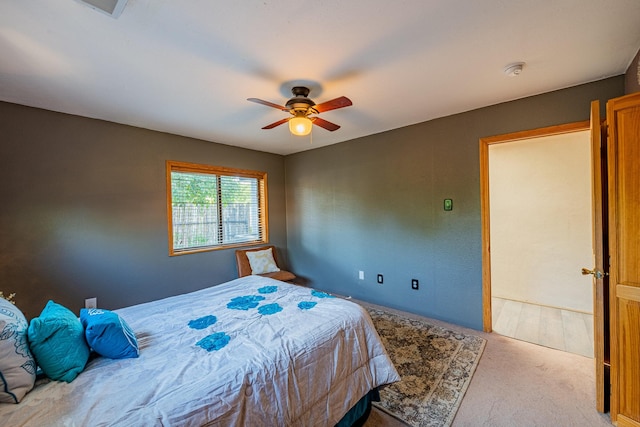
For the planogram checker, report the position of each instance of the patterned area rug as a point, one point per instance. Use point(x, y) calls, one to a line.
point(436, 366)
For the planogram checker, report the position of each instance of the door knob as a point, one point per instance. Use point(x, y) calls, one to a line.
point(596, 273)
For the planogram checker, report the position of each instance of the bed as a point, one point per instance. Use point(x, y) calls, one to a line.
point(250, 352)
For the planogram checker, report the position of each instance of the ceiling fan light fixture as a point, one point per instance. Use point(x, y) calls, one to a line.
point(300, 125)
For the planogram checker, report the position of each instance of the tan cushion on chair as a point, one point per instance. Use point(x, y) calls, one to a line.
point(282, 275)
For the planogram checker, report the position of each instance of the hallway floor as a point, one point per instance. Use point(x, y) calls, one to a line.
point(561, 329)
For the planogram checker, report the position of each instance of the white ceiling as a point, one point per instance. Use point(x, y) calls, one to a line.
point(188, 66)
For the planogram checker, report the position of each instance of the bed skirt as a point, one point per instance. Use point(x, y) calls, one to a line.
point(357, 416)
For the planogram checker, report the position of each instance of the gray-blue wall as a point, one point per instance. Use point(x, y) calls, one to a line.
point(376, 204)
point(83, 210)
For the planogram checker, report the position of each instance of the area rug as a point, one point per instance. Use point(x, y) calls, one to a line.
point(436, 366)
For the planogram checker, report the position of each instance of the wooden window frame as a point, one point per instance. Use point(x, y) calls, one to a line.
point(175, 166)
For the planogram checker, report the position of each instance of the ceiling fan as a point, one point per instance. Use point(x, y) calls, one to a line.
point(302, 109)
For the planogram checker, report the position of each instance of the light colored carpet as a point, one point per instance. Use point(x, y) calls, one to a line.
point(435, 364)
point(520, 384)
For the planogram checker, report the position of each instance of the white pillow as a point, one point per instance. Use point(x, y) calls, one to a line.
point(262, 262)
point(17, 366)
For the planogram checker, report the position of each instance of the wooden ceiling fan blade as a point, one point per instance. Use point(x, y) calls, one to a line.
point(334, 104)
point(267, 103)
point(278, 123)
point(324, 124)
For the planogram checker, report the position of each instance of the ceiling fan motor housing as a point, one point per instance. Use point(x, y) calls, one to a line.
point(300, 91)
point(300, 102)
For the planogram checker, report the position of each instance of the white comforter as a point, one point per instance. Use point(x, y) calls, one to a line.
point(250, 352)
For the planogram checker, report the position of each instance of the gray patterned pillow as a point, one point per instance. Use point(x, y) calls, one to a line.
point(17, 367)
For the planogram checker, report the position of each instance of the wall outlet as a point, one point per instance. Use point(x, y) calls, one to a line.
point(414, 284)
point(380, 279)
point(91, 302)
point(361, 275)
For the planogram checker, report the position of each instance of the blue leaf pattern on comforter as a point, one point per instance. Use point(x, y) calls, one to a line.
point(214, 341)
point(306, 305)
point(245, 302)
point(320, 294)
point(203, 322)
point(268, 309)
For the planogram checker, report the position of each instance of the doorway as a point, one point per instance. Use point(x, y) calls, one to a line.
point(537, 207)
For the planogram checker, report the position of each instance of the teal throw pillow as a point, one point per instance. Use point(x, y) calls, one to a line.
point(57, 342)
point(108, 334)
point(17, 367)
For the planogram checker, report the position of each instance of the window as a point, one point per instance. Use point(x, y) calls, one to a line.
point(210, 207)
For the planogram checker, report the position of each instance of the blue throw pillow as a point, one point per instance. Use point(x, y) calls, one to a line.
point(57, 342)
point(108, 334)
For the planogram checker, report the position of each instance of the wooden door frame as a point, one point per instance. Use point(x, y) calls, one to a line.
point(600, 239)
point(484, 199)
